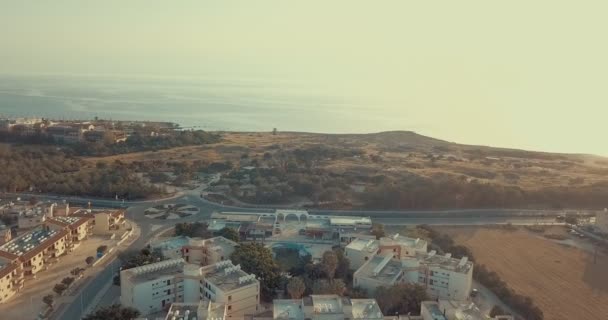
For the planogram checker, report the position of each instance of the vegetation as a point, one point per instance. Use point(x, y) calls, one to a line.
point(89, 260)
point(325, 286)
point(296, 287)
point(49, 300)
point(497, 311)
point(521, 304)
point(401, 298)
point(50, 170)
point(113, 312)
point(67, 281)
point(328, 276)
point(59, 288)
point(230, 234)
point(378, 230)
point(132, 259)
point(256, 259)
point(102, 249)
point(196, 229)
point(77, 271)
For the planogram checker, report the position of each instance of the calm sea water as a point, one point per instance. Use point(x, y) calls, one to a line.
point(211, 104)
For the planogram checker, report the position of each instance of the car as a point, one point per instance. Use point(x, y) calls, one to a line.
point(474, 293)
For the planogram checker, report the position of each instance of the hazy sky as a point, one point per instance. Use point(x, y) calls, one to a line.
point(528, 74)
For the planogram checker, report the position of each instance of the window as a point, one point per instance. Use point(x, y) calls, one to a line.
point(229, 298)
point(229, 307)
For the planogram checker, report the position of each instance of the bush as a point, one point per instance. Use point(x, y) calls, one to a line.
point(89, 260)
point(59, 288)
point(102, 249)
point(67, 281)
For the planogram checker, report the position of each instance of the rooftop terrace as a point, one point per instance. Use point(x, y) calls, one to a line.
point(445, 262)
point(227, 276)
point(404, 241)
point(287, 309)
point(28, 241)
point(368, 245)
point(366, 309)
point(156, 270)
point(381, 268)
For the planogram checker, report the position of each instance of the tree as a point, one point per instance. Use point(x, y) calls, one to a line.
point(324, 286)
point(113, 312)
point(196, 229)
point(59, 288)
point(343, 270)
point(401, 298)
point(49, 300)
point(497, 311)
point(329, 262)
point(133, 258)
point(67, 281)
point(89, 260)
point(102, 249)
point(274, 131)
point(378, 230)
point(296, 287)
point(357, 293)
point(230, 234)
point(77, 271)
point(256, 259)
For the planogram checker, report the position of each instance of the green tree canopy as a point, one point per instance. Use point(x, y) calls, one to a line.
point(114, 312)
point(257, 259)
point(296, 287)
point(230, 234)
point(402, 298)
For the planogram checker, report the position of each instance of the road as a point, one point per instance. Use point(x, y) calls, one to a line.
point(152, 227)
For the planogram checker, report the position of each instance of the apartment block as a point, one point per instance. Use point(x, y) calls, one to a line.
point(36, 248)
point(196, 250)
point(108, 221)
point(203, 310)
point(154, 287)
point(326, 307)
point(442, 276)
point(79, 226)
point(361, 250)
point(11, 276)
point(454, 310)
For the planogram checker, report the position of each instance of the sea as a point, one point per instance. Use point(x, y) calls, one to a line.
point(208, 103)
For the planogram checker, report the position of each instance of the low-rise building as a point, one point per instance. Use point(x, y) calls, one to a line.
point(36, 248)
point(79, 226)
point(326, 307)
point(108, 221)
point(152, 288)
point(454, 310)
point(11, 276)
point(203, 310)
point(442, 276)
point(361, 250)
point(601, 221)
point(196, 250)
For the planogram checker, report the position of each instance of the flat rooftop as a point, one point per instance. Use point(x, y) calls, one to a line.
point(445, 262)
point(367, 245)
point(327, 304)
point(237, 216)
point(205, 309)
point(156, 270)
point(366, 309)
point(287, 309)
point(182, 311)
point(218, 244)
point(404, 241)
point(227, 276)
point(381, 268)
point(434, 310)
point(28, 241)
point(171, 243)
point(462, 310)
point(354, 221)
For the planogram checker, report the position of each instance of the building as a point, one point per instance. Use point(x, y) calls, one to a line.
point(36, 248)
point(154, 287)
point(70, 132)
point(31, 218)
point(108, 221)
point(326, 307)
point(102, 135)
point(361, 250)
point(196, 250)
point(601, 221)
point(79, 226)
point(203, 310)
point(11, 276)
point(442, 276)
point(454, 310)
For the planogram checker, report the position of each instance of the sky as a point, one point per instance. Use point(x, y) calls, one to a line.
point(525, 74)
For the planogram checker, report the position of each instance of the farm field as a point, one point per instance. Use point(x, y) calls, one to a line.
point(563, 281)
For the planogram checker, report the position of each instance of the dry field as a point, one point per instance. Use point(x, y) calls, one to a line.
point(563, 281)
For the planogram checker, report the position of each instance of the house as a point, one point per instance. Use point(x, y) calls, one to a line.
point(362, 249)
point(196, 250)
point(69, 132)
point(108, 221)
point(154, 287)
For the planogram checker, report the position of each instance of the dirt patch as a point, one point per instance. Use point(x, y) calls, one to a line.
point(563, 281)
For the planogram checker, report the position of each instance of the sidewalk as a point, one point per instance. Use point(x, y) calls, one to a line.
point(61, 303)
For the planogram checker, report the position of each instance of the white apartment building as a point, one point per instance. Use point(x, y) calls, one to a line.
point(196, 250)
point(454, 310)
point(204, 310)
point(326, 307)
point(442, 276)
point(153, 288)
point(361, 250)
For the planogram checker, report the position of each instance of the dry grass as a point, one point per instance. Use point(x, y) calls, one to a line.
point(563, 281)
